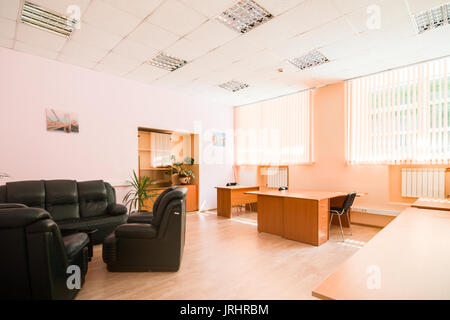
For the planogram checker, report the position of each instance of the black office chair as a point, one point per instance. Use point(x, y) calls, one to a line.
point(348, 202)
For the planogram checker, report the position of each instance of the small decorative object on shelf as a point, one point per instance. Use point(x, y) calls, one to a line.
point(189, 160)
point(185, 176)
point(141, 191)
point(3, 175)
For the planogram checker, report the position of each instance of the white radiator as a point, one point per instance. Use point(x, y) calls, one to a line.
point(277, 177)
point(423, 182)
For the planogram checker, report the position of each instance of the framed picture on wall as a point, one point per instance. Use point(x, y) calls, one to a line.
point(62, 121)
point(218, 139)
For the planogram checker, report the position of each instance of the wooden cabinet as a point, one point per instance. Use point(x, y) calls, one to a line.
point(191, 198)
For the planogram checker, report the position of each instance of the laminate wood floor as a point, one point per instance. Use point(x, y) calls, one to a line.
point(226, 259)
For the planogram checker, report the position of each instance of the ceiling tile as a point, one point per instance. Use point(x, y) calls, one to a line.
point(210, 8)
point(27, 48)
point(422, 5)
point(238, 48)
point(95, 37)
point(83, 51)
point(188, 19)
point(110, 19)
point(391, 12)
point(135, 50)
point(153, 36)
point(7, 28)
point(277, 7)
point(10, 9)
point(140, 8)
point(185, 49)
point(327, 34)
point(6, 43)
point(39, 38)
point(117, 64)
point(345, 48)
point(212, 34)
point(347, 6)
point(63, 7)
point(147, 73)
point(77, 61)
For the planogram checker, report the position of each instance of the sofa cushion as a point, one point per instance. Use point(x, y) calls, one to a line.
point(161, 195)
point(74, 243)
point(93, 198)
point(178, 193)
point(29, 193)
point(92, 222)
point(2, 194)
point(61, 199)
point(136, 231)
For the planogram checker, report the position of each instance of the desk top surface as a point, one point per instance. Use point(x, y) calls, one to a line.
point(238, 187)
point(303, 194)
point(408, 259)
point(437, 204)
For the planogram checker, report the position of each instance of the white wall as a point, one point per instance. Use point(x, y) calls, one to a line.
point(110, 109)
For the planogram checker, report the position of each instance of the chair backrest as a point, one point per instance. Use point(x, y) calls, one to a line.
point(348, 202)
point(158, 200)
point(35, 267)
point(171, 194)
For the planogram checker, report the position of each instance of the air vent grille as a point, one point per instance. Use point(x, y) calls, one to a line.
point(233, 86)
point(244, 16)
point(314, 58)
point(433, 18)
point(44, 19)
point(166, 62)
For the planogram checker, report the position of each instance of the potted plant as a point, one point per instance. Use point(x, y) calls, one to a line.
point(140, 191)
point(185, 175)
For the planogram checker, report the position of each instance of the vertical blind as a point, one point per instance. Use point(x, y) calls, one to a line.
point(400, 116)
point(274, 132)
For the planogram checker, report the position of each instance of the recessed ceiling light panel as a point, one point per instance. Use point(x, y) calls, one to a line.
point(166, 62)
point(314, 58)
point(45, 19)
point(244, 16)
point(233, 86)
point(433, 18)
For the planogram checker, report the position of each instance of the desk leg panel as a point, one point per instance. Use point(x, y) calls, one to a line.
point(301, 220)
point(224, 203)
point(270, 215)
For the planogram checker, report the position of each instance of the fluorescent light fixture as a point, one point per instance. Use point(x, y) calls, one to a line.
point(433, 18)
point(313, 58)
point(166, 62)
point(244, 16)
point(45, 19)
point(233, 86)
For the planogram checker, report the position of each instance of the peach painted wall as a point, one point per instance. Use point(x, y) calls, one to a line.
point(330, 172)
point(110, 109)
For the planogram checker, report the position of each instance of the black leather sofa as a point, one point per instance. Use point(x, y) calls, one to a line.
point(74, 206)
point(141, 247)
point(35, 257)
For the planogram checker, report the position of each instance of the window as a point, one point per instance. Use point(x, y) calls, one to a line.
point(400, 116)
point(274, 132)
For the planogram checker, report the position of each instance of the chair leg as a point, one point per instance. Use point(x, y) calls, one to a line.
point(349, 224)
point(340, 224)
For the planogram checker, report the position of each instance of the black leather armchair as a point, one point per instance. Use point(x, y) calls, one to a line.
point(35, 257)
point(140, 247)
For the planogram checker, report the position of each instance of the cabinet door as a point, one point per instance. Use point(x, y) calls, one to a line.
point(191, 198)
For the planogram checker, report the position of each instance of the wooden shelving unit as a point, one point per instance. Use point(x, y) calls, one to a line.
point(151, 158)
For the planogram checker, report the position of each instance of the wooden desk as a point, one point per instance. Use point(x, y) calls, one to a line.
point(301, 215)
point(411, 256)
point(436, 204)
point(227, 197)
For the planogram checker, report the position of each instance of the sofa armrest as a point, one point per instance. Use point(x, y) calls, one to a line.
point(115, 209)
point(136, 231)
point(12, 205)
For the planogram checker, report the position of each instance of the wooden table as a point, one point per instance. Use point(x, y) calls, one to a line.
point(436, 204)
point(301, 215)
point(227, 197)
point(408, 259)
